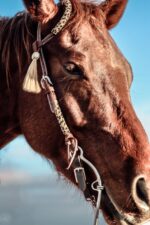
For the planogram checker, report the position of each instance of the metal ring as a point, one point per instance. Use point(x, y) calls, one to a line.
point(99, 186)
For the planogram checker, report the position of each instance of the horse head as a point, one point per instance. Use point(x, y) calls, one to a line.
point(92, 82)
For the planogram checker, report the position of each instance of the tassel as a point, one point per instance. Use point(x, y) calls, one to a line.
point(30, 83)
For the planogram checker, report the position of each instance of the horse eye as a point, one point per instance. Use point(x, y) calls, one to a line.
point(73, 69)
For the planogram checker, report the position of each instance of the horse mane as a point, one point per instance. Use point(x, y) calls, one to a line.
point(18, 33)
point(15, 39)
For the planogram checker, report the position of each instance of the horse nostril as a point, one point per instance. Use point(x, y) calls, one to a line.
point(141, 190)
point(140, 194)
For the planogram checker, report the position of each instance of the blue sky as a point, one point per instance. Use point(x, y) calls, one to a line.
point(132, 36)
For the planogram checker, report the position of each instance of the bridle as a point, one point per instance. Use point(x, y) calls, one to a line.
point(74, 151)
point(76, 158)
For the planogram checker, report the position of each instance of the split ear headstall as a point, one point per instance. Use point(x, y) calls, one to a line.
point(31, 83)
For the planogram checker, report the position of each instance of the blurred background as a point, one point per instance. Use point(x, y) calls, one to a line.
point(31, 192)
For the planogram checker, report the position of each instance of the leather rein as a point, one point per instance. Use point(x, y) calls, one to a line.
point(76, 158)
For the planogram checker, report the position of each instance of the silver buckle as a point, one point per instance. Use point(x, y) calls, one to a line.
point(79, 169)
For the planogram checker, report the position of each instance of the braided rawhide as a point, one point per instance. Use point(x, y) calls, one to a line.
point(66, 16)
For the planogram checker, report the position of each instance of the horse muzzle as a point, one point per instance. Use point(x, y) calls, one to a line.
point(140, 194)
point(141, 205)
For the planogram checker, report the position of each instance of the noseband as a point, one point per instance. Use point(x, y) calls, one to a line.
point(76, 159)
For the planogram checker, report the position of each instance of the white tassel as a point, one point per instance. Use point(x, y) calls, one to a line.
point(30, 83)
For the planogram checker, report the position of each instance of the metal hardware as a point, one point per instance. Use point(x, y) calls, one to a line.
point(45, 79)
point(98, 187)
point(77, 171)
point(72, 151)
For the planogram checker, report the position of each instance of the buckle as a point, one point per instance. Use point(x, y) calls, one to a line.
point(80, 177)
point(79, 171)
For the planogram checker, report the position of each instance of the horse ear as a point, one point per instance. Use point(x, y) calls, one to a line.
point(41, 10)
point(113, 11)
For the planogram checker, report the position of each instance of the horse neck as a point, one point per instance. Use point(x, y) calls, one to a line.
point(9, 122)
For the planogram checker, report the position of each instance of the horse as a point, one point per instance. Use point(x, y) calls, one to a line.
point(88, 108)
